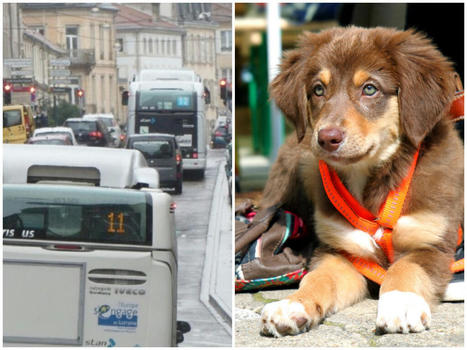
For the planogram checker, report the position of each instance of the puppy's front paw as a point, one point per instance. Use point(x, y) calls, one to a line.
point(285, 317)
point(402, 312)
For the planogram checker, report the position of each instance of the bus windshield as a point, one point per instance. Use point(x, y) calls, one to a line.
point(166, 100)
point(76, 213)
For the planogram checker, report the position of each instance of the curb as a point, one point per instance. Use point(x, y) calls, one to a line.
point(208, 295)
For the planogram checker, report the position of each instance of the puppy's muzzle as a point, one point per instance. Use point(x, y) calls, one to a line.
point(330, 138)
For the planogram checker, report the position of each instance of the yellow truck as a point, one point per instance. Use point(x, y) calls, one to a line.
point(18, 123)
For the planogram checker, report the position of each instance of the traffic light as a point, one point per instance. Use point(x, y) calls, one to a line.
point(7, 94)
point(80, 93)
point(223, 86)
point(32, 91)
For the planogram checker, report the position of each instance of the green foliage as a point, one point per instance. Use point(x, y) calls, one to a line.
point(63, 111)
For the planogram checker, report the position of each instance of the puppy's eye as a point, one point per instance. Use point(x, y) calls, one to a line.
point(369, 90)
point(318, 90)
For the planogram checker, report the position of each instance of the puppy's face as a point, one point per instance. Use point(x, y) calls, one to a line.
point(354, 109)
point(363, 91)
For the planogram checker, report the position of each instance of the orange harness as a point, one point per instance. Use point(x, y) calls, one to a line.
point(379, 228)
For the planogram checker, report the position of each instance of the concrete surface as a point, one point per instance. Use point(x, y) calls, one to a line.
point(192, 222)
point(352, 327)
point(217, 284)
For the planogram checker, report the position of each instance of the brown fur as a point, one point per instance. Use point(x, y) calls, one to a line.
point(415, 86)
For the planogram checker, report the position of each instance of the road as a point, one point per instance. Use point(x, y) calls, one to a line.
point(192, 218)
point(352, 327)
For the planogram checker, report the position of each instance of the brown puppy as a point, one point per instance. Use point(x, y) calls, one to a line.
point(363, 100)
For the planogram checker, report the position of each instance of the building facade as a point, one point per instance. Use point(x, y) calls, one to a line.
point(87, 33)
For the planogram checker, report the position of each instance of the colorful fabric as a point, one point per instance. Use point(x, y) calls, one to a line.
point(257, 284)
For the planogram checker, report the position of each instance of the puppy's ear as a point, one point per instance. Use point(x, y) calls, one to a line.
point(427, 84)
point(289, 91)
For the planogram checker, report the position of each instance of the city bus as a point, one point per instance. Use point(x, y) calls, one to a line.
point(171, 102)
point(89, 249)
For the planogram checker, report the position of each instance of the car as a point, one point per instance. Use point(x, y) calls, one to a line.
point(161, 151)
point(56, 130)
point(90, 132)
point(51, 139)
point(89, 249)
point(220, 137)
point(112, 125)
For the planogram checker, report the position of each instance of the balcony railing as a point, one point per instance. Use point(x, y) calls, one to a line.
point(82, 57)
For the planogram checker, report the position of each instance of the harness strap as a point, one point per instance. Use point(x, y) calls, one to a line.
point(379, 228)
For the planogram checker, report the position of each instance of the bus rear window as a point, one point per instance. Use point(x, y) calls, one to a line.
point(76, 213)
point(165, 100)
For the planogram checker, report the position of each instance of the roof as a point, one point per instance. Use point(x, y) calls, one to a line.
point(132, 19)
point(222, 13)
point(35, 36)
point(116, 167)
point(70, 5)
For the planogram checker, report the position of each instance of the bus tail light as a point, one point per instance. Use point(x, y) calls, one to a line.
point(195, 155)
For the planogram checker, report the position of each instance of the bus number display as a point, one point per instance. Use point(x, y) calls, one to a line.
point(116, 223)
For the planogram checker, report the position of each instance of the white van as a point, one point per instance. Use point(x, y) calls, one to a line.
point(89, 249)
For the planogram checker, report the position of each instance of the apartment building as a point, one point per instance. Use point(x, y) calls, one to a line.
point(87, 33)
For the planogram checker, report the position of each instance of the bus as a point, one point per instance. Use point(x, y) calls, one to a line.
point(89, 249)
point(171, 102)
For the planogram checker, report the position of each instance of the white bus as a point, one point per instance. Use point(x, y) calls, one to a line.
point(89, 249)
point(171, 102)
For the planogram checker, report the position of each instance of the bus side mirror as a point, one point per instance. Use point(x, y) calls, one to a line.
point(125, 95)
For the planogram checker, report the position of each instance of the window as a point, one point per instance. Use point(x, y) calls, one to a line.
point(144, 46)
point(150, 46)
point(163, 47)
point(101, 41)
point(120, 45)
point(72, 40)
point(226, 40)
point(174, 47)
point(156, 46)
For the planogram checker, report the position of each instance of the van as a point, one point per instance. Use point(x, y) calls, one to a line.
point(89, 249)
point(161, 151)
point(18, 123)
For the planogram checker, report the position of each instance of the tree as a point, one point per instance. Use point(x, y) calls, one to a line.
point(63, 111)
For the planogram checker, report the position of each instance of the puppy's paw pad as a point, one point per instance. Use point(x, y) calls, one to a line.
point(284, 317)
point(402, 312)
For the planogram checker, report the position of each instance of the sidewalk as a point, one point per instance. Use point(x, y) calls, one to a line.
point(352, 327)
point(217, 282)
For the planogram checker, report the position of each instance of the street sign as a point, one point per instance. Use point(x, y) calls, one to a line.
point(65, 62)
point(61, 89)
point(18, 62)
point(60, 81)
point(60, 72)
point(18, 80)
point(22, 73)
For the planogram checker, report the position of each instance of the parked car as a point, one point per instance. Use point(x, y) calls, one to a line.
point(111, 124)
point(57, 130)
point(57, 139)
point(161, 152)
point(90, 132)
point(220, 137)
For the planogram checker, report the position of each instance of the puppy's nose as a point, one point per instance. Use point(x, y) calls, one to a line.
point(330, 138)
